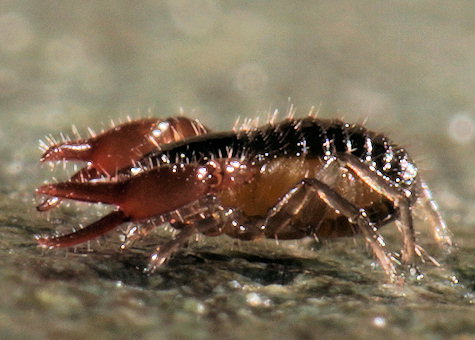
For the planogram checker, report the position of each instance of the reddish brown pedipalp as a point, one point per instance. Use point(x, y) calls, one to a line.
point(118, 147)
point(144, 196)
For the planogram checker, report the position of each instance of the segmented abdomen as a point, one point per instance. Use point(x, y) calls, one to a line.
point(309, 137)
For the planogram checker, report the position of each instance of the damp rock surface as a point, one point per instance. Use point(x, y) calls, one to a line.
point(217, 288)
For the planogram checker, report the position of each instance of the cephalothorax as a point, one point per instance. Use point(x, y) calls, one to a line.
point(287, 180)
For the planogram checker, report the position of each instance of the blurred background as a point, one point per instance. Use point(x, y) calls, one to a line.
point(405, 67)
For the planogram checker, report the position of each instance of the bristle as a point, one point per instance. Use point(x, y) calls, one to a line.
point(75, 132)
point(200, 125)
point(255, 122)
point(229, 152)
point(246, 125)
point(289, 105)
point(175, 133)
point(422, 254)
point(42, 145)
point(180, 217)
point(153, 141)
point(49, 139)
point(91, 132)
point(297, 125)
point(273, 117)
point(291, 112)
point(313, 112)
point(236, 124)
point(197, 126)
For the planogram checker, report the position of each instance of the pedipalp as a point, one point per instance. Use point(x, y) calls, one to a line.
point(119, 147)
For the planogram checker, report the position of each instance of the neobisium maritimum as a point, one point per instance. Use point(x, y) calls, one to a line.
point(305, 177)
